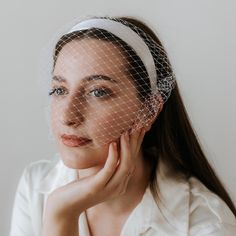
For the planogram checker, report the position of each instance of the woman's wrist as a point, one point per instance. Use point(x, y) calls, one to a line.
point(55, 208)
point(60, 226)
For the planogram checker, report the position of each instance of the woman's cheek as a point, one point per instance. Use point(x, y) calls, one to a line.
point(109, 126)
point(54, 116)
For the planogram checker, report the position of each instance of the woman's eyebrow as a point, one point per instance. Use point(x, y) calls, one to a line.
point(61, 79)
point(99, 77)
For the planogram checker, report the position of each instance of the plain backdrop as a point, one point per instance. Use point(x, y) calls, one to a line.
point(199, 36)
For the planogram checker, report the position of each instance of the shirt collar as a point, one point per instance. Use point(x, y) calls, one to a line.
point(169, 215)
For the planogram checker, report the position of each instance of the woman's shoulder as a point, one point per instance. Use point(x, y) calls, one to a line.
point(44, 176)
point(40, 168)
point(191, 206)
point(35, 172)
point(208, 213)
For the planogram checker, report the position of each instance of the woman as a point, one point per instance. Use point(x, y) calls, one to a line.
point(129, 162)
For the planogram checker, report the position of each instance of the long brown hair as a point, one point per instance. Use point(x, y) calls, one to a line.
point(171, 136)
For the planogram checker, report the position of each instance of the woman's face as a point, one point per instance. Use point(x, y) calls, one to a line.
point(94, 99)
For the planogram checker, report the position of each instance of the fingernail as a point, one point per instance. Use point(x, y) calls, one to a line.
point(114, 144)
point(127, 136)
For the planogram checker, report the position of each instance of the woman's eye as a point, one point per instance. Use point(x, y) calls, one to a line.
point(57, 91)
point(101, 93)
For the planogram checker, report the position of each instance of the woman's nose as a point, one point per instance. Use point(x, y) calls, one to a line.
point(72, 114)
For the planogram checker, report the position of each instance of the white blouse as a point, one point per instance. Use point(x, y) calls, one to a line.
point(186, 208)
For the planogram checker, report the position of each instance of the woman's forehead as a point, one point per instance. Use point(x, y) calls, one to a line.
point(90, 51)
point(90, 56)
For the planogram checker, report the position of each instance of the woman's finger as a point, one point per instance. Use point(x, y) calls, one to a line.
point(140, 139)
point(136, 141)
point(104, 175)
point(125, 165)
point(134, 138)
point(125, 154)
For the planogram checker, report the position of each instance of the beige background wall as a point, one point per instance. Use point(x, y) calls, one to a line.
point(200, 39)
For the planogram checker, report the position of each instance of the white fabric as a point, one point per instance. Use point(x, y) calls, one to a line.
point(189, 207)
point(127, 35)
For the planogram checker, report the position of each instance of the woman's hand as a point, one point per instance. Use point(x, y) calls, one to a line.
point(110, 182)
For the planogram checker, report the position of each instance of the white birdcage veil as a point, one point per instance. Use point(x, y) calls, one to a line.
point(123, 78)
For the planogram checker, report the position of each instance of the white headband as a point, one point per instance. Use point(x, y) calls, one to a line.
point(129, 36)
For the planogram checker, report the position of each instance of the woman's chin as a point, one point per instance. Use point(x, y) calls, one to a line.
point(75, 161)
point(82, 158)
point(76, 164)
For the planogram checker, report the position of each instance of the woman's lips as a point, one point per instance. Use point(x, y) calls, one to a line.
point(74, 141)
